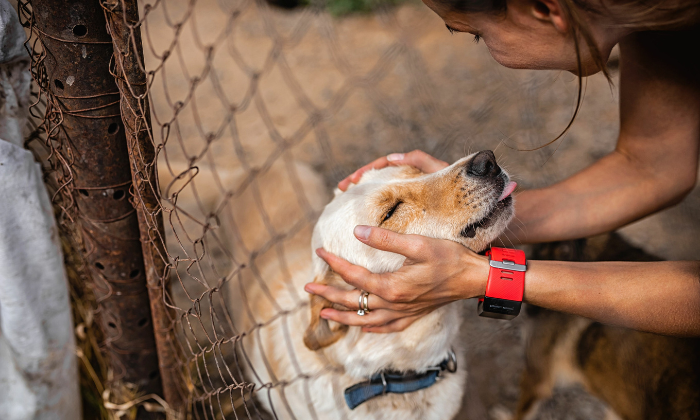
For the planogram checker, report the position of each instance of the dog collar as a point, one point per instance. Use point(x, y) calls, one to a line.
point(504, 288)
point(393, 382)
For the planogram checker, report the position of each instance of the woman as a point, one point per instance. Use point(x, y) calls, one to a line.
point(653, 167)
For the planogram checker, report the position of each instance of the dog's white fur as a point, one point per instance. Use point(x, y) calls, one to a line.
point(274, 314)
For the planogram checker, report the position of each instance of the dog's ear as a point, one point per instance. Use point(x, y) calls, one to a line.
point(321, 332)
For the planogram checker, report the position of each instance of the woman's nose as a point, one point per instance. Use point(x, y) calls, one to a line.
point(483, 165)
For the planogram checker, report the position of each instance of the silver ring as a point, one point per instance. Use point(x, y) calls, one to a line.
point(362, 303)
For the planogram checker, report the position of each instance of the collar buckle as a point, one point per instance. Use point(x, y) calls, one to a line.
point(451, 365)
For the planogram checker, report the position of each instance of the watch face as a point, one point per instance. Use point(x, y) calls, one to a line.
point(498, 308)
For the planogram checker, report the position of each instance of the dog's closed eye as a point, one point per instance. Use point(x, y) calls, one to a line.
point(391, 211)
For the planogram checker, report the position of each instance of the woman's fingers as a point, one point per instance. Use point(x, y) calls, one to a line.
point(420, 160)
point(376, 321)
point(415, 247)
point(354, 275)
point(347, 298)
point(416, 158)
point(355, 177)
point(374, 318)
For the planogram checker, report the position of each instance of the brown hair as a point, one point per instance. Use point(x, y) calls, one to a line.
point(632, 14)
point(643, 15)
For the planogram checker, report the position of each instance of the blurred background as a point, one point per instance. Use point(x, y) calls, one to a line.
point(335, 85)
point(351, 80)
point(237, 86)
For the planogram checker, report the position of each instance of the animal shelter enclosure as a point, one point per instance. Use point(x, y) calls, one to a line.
point(191, 145)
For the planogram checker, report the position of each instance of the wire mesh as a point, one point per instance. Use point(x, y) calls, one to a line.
point(244, 98)
point(256, 112)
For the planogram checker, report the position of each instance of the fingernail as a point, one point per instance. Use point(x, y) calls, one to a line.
point(308, 289)
point(319, 251)
point(362, 232)
point(324, 315)
point(394, 157)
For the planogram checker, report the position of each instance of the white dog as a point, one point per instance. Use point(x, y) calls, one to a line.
point(302, 364)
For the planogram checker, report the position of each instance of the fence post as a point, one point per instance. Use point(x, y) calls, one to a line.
point(84, 100)
point(129, 70)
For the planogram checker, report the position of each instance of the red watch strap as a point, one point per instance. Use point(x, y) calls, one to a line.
point(503, 282)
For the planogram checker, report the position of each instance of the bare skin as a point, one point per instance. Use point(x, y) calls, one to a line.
point(654, 166)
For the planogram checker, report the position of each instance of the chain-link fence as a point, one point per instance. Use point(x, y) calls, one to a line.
point(255, 113)
point(251, 106)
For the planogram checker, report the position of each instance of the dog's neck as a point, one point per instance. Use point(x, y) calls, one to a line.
point(423, 344)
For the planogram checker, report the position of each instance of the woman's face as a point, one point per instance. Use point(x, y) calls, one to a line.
point(530, 34)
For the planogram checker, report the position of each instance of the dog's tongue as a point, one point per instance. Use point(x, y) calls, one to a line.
point(510, 187)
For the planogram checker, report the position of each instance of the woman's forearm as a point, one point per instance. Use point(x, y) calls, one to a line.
point(613, 192)
point(659, 297)
point(654, 163)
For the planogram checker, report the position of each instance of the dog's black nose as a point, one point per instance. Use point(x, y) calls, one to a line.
point(483, 164)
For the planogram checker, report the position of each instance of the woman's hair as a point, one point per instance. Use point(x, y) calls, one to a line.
point(641, 15)
point(632, 14)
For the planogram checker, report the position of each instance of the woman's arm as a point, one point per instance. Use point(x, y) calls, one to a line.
point(655, 162)
point(660, 297)
point(653, 166)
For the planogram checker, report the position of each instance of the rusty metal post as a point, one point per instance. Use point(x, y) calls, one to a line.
point(78, 51)
point(129, 71)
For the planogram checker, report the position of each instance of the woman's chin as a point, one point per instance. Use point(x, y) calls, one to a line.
point(520, 61)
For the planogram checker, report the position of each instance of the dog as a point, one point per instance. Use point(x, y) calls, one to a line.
point(640, 376)
point(302, 365)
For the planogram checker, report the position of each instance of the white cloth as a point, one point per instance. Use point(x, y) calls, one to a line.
point(38, 366)
point(11, 34)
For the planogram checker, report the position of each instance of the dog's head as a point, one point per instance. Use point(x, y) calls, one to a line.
point(468, 202)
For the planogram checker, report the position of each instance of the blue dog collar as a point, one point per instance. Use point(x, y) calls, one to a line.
point(393, 382)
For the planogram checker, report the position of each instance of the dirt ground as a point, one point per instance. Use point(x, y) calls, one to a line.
point(336, 93)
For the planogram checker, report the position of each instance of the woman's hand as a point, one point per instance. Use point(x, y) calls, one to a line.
point(416, 158)
point(436, 272)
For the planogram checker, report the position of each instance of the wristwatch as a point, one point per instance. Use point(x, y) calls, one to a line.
point(504, 288)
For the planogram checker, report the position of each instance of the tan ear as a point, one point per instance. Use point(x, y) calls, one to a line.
point(320, 332)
